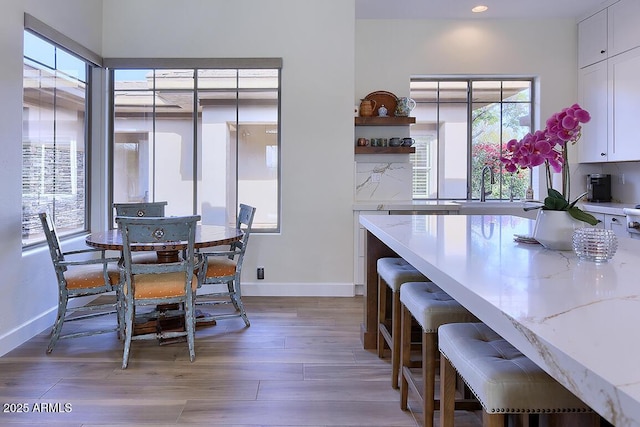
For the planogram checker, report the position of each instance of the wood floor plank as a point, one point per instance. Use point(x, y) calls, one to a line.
point(300, 363)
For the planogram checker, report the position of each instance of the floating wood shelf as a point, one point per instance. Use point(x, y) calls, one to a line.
point(384, 121)
point(384, 150)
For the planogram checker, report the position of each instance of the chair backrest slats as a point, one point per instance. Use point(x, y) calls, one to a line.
point(52, 238)
point(141, 230)
point(245, 222)
point(154, 209)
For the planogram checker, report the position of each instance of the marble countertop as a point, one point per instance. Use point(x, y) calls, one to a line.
point(607, 208)
point(433, 205)
point(408, 205)
point(578, 320)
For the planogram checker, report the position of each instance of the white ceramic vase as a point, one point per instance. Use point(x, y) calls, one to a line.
point(554, 229)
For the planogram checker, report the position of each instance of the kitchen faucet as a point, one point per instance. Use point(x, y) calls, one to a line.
point(483, 192)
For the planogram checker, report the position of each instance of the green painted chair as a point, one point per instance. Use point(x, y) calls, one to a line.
point(223, 270)
point(78, 277)
point(161, 283)
point(142, 209)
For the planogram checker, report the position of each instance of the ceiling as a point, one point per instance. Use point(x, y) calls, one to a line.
point(461, 9)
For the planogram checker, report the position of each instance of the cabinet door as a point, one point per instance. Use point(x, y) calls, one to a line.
point(616, 223)
point(592, 84)
point(592, 39)
point(624, 26)
point(600, 217)
point(624, 99)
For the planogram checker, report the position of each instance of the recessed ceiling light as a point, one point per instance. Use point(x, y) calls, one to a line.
point(479, 8)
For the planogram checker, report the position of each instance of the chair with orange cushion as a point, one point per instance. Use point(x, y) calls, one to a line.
point(159, 283)
point(222, 270)
point(78, 277)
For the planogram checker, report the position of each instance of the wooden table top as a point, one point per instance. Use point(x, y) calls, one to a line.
point(206, 236)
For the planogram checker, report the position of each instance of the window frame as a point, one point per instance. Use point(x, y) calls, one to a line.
point(195, 64)
point(470, 80)
point(91, 60)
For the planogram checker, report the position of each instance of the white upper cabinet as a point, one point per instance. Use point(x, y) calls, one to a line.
point(592, 36)
point(624, 102)
point(609, 83)
point(593, 97)
point(624, 26)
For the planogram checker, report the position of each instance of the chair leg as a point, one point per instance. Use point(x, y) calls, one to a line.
point(236, 298)
point(492, 420)
point(382, 314)
point(57, 326)
point(190, 326)
point(405, 355)
point(429, 357)
point(120, 313)
point(233, 295)
point(128, 332)
point(395, 337)
point(447, 392)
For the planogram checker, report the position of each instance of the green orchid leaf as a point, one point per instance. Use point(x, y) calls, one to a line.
point(580, 215)
point(578, 198)
point(555, 194)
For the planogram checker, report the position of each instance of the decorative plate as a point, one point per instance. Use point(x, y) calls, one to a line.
point(385, 98)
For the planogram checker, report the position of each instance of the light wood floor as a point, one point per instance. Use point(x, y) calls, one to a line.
point(301, 363)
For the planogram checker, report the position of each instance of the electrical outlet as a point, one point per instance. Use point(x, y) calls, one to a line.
point(375, 177)
point(260, 273)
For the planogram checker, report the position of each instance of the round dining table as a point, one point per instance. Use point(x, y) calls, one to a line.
point(206, 236)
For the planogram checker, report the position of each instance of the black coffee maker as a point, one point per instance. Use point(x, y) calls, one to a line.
point(599, 187)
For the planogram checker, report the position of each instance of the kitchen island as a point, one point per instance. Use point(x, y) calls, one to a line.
point(577, 320)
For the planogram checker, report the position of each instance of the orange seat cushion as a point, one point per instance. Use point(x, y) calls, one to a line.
point(161, 285)
point(220, 266)
point(90, 276)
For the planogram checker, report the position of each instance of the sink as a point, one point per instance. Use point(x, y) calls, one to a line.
point(496, 207)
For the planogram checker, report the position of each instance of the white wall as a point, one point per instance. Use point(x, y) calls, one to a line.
point(313, 253)
point(388, 52)
point(315, 245)
point(29, 292)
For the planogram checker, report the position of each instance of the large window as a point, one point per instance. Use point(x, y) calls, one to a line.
point(202, 139)
point(463, 125)
point(54, 141)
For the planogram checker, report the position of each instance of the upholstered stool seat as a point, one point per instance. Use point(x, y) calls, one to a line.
point(392, 273)
point(503, 379)
point(431, 307)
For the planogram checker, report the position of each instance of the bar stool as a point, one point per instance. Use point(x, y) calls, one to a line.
point(503, 379)
point(431, 307)
point(392, 273)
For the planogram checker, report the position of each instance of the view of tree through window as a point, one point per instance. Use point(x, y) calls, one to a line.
point(54, 139)
point(463, 125)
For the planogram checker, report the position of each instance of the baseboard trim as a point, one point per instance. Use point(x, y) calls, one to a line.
point(24, 332)
point(298, 289)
